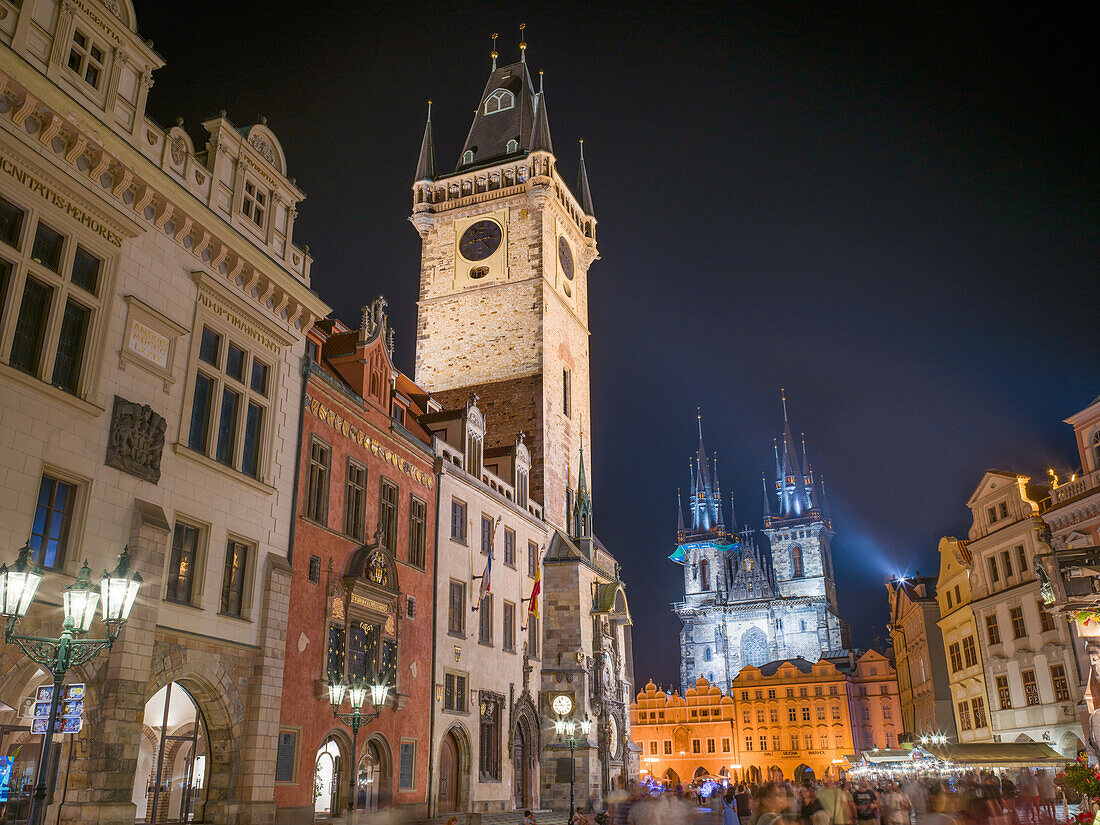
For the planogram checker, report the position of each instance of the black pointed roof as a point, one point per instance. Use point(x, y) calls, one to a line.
point(584, 194)
point(540, 132)
point(490, 132)
point(425, 166)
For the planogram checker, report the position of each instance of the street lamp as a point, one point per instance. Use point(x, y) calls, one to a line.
point(566, 729)
point(115, 597)
point(356, 691)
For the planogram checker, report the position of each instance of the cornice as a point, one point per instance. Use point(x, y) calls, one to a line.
point(132, 174)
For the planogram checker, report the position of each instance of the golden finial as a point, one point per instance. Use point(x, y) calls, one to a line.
point(522, 44)
point(493, 53)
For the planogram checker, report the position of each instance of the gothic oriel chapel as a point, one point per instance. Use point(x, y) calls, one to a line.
point(748, 602)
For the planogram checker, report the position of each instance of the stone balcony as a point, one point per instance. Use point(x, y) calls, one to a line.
point(1075, 489)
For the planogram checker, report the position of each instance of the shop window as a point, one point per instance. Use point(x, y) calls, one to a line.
point(53, 515)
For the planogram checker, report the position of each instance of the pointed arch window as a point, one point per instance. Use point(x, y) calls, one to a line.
point(796, 562)
point(704, 574)
point(706, 655)
point(499, 101)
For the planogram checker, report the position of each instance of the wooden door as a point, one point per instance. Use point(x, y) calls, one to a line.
point(448, 775)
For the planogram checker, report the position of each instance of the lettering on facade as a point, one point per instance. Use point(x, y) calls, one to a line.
point(149, 344)
point(215, 306)
point(25, 178)
point(136, 440)
point(350, 431)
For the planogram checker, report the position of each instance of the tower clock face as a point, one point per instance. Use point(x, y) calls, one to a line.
point(480, 240)
point(562, 704)
point(565, 257)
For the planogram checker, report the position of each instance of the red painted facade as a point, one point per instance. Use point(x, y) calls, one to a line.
point(354, 405)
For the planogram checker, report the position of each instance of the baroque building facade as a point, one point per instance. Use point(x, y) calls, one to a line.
point(506, 246)
point(752, 599)
point(153, 322)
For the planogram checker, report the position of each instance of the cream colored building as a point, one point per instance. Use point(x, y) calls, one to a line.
point(874, 704)
point(485, 726)
point(961, 639)
point(154, 308)
point(1030, 664)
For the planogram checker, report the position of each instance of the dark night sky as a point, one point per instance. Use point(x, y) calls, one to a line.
point(889, 209)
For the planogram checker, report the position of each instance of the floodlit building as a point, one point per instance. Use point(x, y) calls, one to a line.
point(919, 655)
point(962, 642)
point(153, 314)
point(750, 600)
point(1030, 664)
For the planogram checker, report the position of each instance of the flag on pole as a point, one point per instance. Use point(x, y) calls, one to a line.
point(486, 575)
point(536, 588)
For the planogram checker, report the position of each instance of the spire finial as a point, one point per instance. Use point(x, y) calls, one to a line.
point(783, 396)
point(429, 111)
point(493, 53)
point(540, 80)
point(699, 416)
point(581, 142)
point(522, 44)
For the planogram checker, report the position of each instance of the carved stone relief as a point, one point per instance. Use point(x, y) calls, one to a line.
point(136, 441)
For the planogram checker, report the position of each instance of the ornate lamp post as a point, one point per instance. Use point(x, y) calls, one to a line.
point(566, 729)
point(356, 691)
point(116, 594)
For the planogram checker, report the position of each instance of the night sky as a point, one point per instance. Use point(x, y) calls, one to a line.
point(891, 210)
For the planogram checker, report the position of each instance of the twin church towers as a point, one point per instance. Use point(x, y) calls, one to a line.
point(746, 604)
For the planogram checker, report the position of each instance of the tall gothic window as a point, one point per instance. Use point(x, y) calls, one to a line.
point(754, 647)
point(796, 562)
point(704, 575)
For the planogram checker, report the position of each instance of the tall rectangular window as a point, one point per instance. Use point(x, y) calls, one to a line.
point(532, 636)
point(355, 500)
point(566, 393)
point(1003, 695)
point(229, 403)
point(1021, 560)
point(418, 531)
point(1058, 680)
point(490, 739)
point(1006, 565)
point(387, 513)
point(532, 559)
point(181, 565)
point(254, 203)
point(509, 626)
point(233, 579)
point(11, 223)
point(456, 609)
point(486, 534)
point(320, 462)
point(485, 620)
point(510, 547)
point(406, 778)
point(992, 631)
point(30, 327)
point(1031, 688)
point(956, 657)
point(994, 576)
point(337, 645)
point(86, 59)
point(970, 652)
point(521, 487)
point(458, 520)
point(70, 346)
point(978, 704)
point(454, 692)
point(1019, 629)
point(964, 715)
point(53, 513)
point(1046, 621)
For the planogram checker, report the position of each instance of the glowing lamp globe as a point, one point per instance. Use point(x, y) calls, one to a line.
point(559, 726)
point(378, 694)
point(586, 727)
point(570, 728)
point(357, 694)
point(80, 600)
point(119, 588)
point(336, 692)
point(18, 584)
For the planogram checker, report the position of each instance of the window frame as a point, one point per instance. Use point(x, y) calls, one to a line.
point(1031, 688)
point(318, 493)
point(462, 536)
point(389, 520)
point(456, 690)
point(456, 628)
point(202, 534)
point(509, 554)
point(247, 569)
point(69, 548)
point(992, 629)
point(418, 532)
point(256, 200)
point(355, 518)
point(485, 621)
point(86, 57)
point(1004, 693)
point(508, 626)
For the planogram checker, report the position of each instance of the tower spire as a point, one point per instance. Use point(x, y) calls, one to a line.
point(783, 396)
point(522, 44)
point(583, 193)
point(425, 166)
point(540, 132)
point(733, 516)
point(767, 501)
point(679, 513)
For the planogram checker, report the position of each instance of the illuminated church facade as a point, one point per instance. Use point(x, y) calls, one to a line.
point(755, 596)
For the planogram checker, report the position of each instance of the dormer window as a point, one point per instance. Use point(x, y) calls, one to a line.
point(513, 146)
point(86, 59)
point(254, 204)
point(499, 101)
point(467, 157)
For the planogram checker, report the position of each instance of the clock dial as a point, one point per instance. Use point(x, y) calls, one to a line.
point(565, 257)
point(613, 737)
point(562, 704)
point(480, 240)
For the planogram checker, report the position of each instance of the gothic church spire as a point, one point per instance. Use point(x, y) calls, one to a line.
point(425, 166)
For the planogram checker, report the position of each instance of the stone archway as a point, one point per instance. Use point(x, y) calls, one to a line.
point(374, 776)
point(453, 791)
point(804, 773)
point(672, 778)
point(525, 750)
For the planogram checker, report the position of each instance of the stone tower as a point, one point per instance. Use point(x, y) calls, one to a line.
point(503, 308)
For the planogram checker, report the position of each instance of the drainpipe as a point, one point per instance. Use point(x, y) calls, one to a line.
point(435, 626)
point(307, 368)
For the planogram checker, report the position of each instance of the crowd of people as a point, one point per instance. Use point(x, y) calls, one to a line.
point(1030, 797)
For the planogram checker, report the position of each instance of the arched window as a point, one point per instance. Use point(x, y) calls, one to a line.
point(704, 574)
point(499, 100)
point(467, 157)
point(796, 562)
point(513, 146)
point(1096, 450)
point(754, 647)
point(706, 655)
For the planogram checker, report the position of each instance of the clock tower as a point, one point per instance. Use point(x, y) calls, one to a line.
point(503, 306)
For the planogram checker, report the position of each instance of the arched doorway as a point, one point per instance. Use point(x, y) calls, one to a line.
point(170, 782)
point(803, 773)
point(775, 774)
point(753, 774)
point(1071, 744)
point(373, 779)
point(449, 790)
point(523, 764)
point(326, 778)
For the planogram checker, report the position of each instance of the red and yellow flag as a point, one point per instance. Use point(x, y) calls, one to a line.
point(536, 588)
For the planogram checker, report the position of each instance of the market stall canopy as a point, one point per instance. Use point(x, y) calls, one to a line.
point(883, 756)
point(996, 754)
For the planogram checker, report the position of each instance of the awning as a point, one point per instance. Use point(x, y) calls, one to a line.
point(998, 754)
point(883, 756)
